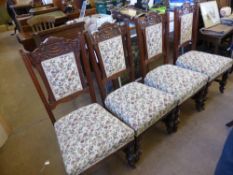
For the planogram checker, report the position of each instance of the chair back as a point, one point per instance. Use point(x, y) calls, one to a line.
point(151, 32)
point(41, 23)
point(185, 27)
point(110, 52)
point(63, 67)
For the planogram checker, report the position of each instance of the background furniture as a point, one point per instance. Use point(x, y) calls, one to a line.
point(223, 3)
point(21, 9)
point(25, 35)
point(42, 9)
point(32, 40)
point(40, 23)
point(70, 31)
point(215, 39)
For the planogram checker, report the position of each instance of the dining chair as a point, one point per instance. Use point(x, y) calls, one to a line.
point(182, 83)
point(41, 23)
point(134, 103)
point(90, 133)
point(185, 34)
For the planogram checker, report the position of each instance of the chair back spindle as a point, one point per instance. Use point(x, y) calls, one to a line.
point(41, 23)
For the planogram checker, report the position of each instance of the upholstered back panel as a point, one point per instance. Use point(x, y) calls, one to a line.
point(186, 25)
point(62, 75)
point(112, 54)
point(154, 43)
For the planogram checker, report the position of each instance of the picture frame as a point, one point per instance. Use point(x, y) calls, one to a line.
point(210, 13)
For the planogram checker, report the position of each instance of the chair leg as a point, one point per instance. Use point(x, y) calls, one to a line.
point(137, 148)
point(172, 120)
point(205, 93)
point(223, 82)
point(201, 97)
point(133, 152)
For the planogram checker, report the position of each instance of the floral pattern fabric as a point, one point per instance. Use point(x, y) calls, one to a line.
point(186, 27)
point(139, 106)
point(88, 135)
point(154, 41)
point(208, 64)
point(112, 54)
point(182, 83)
point(62, 75)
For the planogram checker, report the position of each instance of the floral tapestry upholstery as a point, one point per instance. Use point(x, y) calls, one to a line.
point(112, 54)
point(154, 43)
point(88, 135)
point(182, 83)
point(139, 106)
point(206, 63)
point(62, 75)
point(186, 26)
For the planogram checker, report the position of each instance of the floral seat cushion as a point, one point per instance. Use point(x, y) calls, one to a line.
point(88, 135)
point(209, 64)
point(139, 106)
point(182, 83)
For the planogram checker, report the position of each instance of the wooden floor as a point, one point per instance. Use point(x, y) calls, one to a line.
point(193, 150)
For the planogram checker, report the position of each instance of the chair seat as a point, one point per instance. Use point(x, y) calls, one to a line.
point(182, 83)
point(139, 106)
point(88, 135)
point(209, 64)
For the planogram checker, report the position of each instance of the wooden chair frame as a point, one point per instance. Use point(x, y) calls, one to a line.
point(41, 23)
point(51, 48)
point(109, 31)
point(141, 24)
point(152, 19)
point(186, 8)
point(106, 32)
